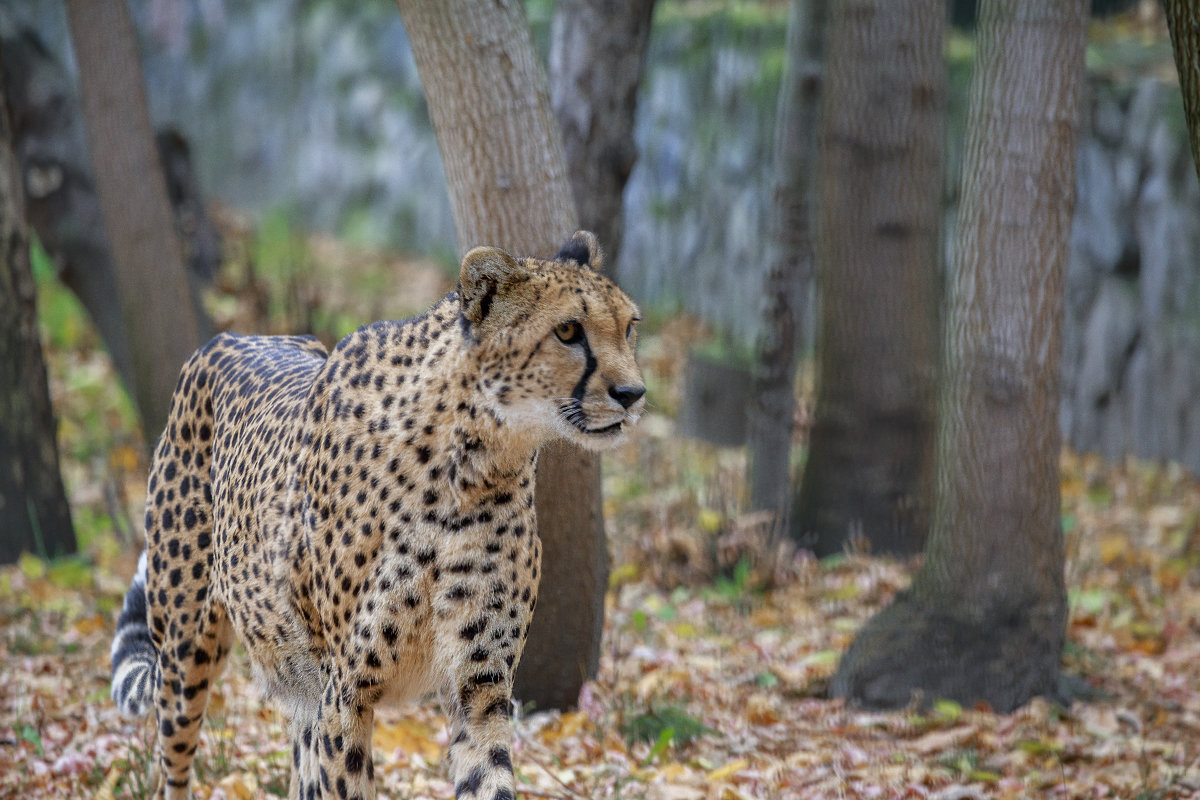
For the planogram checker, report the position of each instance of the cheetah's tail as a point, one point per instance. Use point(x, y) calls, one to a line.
point(134, 657)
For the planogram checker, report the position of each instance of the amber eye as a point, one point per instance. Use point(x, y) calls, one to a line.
point(629, 329)
point(569, 332)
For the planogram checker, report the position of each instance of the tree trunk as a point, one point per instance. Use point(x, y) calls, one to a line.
point(789, 269)
point(986, 615)
point(507, 175)
point(597, 56)
point(1183, 18)
point(869, 469)
point(156, 305)
point(34, 515)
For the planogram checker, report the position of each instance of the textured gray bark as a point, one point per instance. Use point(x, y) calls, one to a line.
point(869, 469)
point(34, 515)
point(503, 156)
point(789, 270)
point(597, 55)
point(986, 615)
point(161, 324)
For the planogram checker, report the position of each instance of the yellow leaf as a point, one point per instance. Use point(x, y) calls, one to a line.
point(766, 617)
point(729, 770)
point(105, 792)
point(626, 573)
point(88, 625)
point(239, 786)
point(123, 458)
point(821, 658)
point(1073, 488)
point(709, 520)
point(947, 710)
point(847, 591)
point(32, 566)
point(569, 724)
point(685, 629)
point(1112, 547)
point(409, 735)
point(216, 704)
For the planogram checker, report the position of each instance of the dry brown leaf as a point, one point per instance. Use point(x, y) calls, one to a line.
point(938, 741)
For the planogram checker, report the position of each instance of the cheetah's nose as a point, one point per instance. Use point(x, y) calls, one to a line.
point(626, 395)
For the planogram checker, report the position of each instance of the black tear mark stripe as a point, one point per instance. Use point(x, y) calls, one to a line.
point(588, 368)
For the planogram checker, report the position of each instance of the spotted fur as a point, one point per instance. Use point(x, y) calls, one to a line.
point(363, 521)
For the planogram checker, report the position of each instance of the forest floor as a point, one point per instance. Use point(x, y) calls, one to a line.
point(714, 674)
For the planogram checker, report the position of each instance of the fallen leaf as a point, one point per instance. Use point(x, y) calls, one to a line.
point(728, 771)
point(937, 741)
point(411, 736)
point(239, 786)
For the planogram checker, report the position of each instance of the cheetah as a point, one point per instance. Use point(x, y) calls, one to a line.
point(362, 521)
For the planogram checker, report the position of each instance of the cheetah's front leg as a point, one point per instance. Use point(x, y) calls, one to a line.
point(481, 731)
point(331, 748)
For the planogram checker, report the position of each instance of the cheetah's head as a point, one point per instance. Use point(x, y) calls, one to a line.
point(555, 342)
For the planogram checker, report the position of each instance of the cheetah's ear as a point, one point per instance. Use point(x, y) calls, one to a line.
point(486, 271)
point(584, 249)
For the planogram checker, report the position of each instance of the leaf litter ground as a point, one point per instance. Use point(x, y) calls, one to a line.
point(711, 685)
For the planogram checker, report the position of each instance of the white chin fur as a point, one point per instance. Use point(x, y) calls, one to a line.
point(599, 440)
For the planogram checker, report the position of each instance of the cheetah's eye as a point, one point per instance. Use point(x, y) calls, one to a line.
point(569, 332)
point(629, 329)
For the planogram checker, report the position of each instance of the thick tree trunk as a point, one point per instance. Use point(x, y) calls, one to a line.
point(161, 324)
point(34, 515)
point(985, 617)
point(773, 401)
point(597, 56)
point(869, 470)
point(507, 175)
point(1183, 18)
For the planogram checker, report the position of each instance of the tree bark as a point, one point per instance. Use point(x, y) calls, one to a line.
point(504, 163)
point(34, 515)
point(869, 469)
point(985, 617)
point(789, 268)
point(597, 57)
point(156, 305)
point(1183, 19)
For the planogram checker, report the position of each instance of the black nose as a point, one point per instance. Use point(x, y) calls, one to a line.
point(626, 395)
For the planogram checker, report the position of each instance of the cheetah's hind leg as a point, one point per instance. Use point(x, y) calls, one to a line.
point(186, 618)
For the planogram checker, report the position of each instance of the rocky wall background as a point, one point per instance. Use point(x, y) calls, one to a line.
point(1131, 378)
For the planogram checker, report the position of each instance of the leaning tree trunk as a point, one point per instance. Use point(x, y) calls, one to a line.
point(504, 164)
point(986, 615)
point(1183, 18)
point(869, 471)
point(597, 56)
point(156, 304)
point(34, 515)
point(772, 396)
